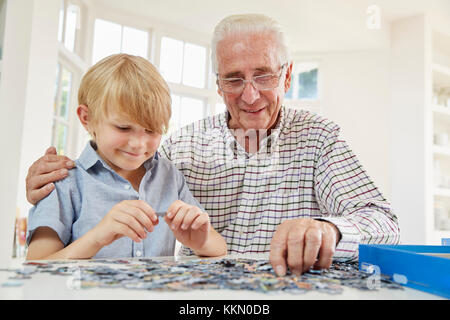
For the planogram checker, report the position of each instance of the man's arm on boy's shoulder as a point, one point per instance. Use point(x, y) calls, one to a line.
point(43, 172)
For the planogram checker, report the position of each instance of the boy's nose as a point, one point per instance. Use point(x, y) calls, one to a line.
point(137, 141)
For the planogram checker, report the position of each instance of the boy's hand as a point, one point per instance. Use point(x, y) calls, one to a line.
point(131, 218)
point(189, 224)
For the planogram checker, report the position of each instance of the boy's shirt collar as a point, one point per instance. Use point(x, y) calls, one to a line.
point(89, 158)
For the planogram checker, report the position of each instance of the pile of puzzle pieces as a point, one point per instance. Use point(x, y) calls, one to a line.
point(199, 274)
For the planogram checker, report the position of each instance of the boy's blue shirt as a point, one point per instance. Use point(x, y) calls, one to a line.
point(80, 201)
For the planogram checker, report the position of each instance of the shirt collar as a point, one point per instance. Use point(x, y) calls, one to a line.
point(89, 157)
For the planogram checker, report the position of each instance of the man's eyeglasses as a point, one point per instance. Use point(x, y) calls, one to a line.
point(261, 82)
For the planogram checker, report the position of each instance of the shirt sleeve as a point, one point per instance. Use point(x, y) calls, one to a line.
point(165, 149)
point(185, 195)
point(54, 211)
point(349, 199)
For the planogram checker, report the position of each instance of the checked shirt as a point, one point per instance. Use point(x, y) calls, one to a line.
point(301, 170)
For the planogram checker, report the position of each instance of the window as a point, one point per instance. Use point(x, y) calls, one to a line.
point(61, 108)
point(220, 108)
point(183, 65)
point(183, 62)
point(69, 23)
point(185, 110)
point(111, 38)
point(304, 84)
point(71, 65)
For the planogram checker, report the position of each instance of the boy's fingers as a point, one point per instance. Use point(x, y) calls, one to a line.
point(145, 208)
point(173, 208)
point(179, 217)
point(127, 231)
point(202, 221)
point(190, 216)
point(140, 216)
point(131, 222)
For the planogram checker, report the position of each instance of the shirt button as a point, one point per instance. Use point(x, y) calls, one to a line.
point(127, 187)
point(138, 253)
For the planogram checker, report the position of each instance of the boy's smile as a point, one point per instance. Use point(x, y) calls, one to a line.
point(124, 145)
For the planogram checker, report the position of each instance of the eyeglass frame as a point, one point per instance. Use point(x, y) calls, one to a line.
point(252, 80)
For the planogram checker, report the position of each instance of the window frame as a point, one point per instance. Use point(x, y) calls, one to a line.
point(122, 26)
point(209, 92)
point(81, 60)
point(74, 62)
point(313, 105)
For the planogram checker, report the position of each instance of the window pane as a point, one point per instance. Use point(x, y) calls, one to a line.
point(174, 122)
point(134, 42)
point(191, 110)
point(71, 27)
point(307, 81)
point(194, 64)
point(59, 137)
point(220, 108)
point(61, 22)
point(66, 84)
point(55, 100)
point(107, 39)
point(288, 94)
point(171, 59)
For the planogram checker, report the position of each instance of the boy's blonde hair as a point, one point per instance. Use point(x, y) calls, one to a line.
point(129, 85)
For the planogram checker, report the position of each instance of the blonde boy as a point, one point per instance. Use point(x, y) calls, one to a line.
point(107, 206)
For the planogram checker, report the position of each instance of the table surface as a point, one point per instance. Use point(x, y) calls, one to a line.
point(43, 286)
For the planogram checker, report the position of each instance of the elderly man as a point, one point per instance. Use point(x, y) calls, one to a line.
point(273, 180)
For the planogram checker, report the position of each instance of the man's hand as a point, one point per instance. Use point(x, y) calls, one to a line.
point(299, 242)
point(43, 172)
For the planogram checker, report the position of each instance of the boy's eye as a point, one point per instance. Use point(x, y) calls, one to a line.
point(122, 128)
point(148, 131)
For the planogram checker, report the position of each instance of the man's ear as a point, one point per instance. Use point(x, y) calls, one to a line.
point(219, 91)
point(83, 115)
point(288, 79)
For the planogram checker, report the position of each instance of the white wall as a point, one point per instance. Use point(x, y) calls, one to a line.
point(39, 94)
point(26, 98)
point(410, 85)
point(355, 94)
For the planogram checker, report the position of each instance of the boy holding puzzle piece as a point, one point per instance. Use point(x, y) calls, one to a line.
point(107, 206)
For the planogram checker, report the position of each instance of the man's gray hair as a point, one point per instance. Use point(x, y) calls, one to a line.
point(248, 23)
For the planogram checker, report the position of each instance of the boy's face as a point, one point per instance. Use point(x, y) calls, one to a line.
point(124, 145)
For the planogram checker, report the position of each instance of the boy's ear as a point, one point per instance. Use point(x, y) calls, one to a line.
point(83, 115)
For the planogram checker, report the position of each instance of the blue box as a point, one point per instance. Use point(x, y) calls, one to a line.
point(445, 241)
point(425, 268)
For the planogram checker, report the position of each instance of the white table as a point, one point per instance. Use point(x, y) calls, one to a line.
point(43, 286)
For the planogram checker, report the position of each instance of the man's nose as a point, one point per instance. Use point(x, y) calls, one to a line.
point(249, 94)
